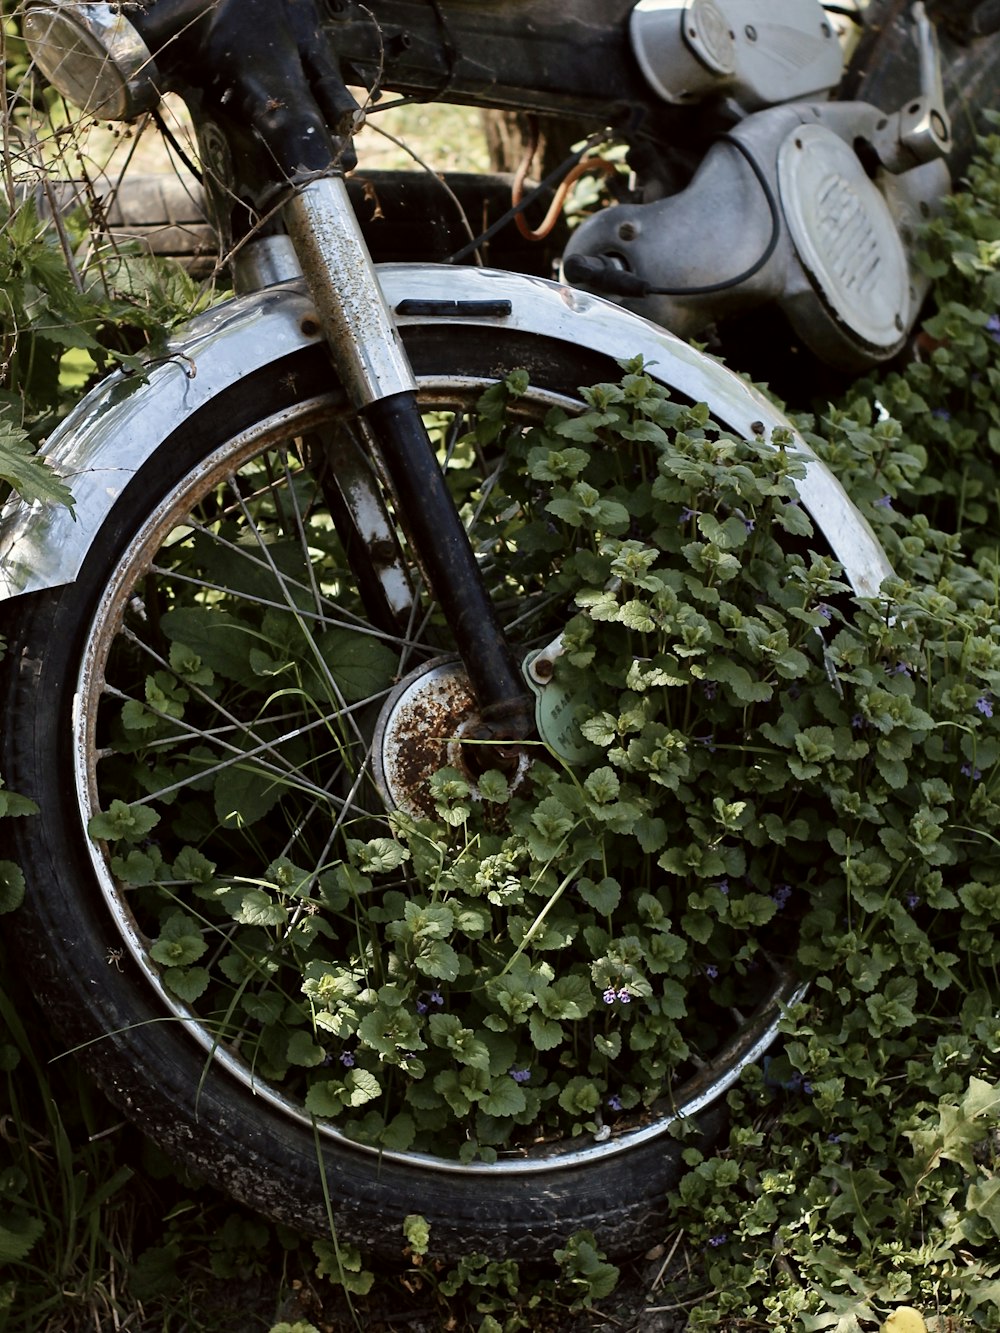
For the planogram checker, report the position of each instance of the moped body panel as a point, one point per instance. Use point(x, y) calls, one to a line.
point(101, 446)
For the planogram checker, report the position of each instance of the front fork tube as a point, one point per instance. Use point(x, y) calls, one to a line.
point(375, 370)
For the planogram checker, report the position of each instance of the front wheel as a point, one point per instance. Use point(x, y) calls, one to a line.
point(316, 937)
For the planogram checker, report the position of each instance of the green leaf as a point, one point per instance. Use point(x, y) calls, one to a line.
point(325, 1099)
point(11, 887)
point(505, 1098)
point(360, 664)
point(567, 999)
point(180, 942)
point(187, 983)
point(123, 823)
point(18, 1235)
point(258, 908)
point(302, 1050)
point(13, 806)
point(546, 1034)
point(32, 478)
point(438, 959)
point(222, 642)
point(362, 1087)
point(603, 897)
point(983, 1198)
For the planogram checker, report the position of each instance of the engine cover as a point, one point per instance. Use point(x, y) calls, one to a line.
point(847, 242)
point(761, 52)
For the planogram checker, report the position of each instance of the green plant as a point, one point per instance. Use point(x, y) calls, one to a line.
point(515, 953)
point(862, 1168)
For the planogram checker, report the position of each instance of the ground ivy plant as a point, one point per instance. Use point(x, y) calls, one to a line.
point(546, 955)
point(862, 1170)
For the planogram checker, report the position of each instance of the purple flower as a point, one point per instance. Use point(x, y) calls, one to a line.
point(436, 997)
point(716, 1241)
point(710, 689)
point(912, 900)
point(970, 772)
point(985, 705)
point(347, 1059)
point(520, 1075)
point(748, 523)
point(993, 327)
point(857, 722)
point(711, 971)
point(723, 886)
point(614, 1102)
point(687, 515)
point(941, 413)
point(833, 1138)
point(884, 502)
point(609, 995)
point(900, 669)
point(421, 1006)
point(824, 611)
point(624, 995)
point(781, 896)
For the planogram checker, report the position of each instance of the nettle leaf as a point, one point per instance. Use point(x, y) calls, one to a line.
point(447, 1031)
point(610, 1046)
point(362, 1086)
point(123, 823)
point(18, 1235)
point(391, 1031)
point(325, 1099)
point(302, 1050)
point(793, 518)
point(379, 856)
point(180, 941)
point(546, 1034)
point(138, 868)
point(33, 478)
point(729, 535)
point(187, 983)
point(603, 897)
point(245, 792)
point(569, 998)
point(438, 959)
point(193, 867)
point(580, 1096)
point(557, 464)
point(258, 908)
point(505, 1098)
point(637, 615)
point(360, 664)
point(738, 679)
point(220, 641)
point(494, 787)
point(891, 1010)
point(266, 1008)
point(13, 806)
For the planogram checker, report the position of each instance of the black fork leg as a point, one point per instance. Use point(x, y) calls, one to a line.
point(442, 547)
point(372, 362)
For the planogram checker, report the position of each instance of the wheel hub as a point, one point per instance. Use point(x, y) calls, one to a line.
point(425, 725)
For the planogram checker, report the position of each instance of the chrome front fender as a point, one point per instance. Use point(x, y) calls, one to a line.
point(103, 443)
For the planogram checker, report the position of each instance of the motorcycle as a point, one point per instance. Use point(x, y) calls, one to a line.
point(311, 463)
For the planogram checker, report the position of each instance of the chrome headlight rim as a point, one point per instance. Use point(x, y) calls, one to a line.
point(94, 56)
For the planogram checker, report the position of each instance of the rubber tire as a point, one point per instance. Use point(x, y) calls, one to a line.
point(149, 1065)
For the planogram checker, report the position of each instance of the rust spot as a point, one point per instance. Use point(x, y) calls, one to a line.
point(421, 733)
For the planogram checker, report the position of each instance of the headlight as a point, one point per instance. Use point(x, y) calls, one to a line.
point(92, 55)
